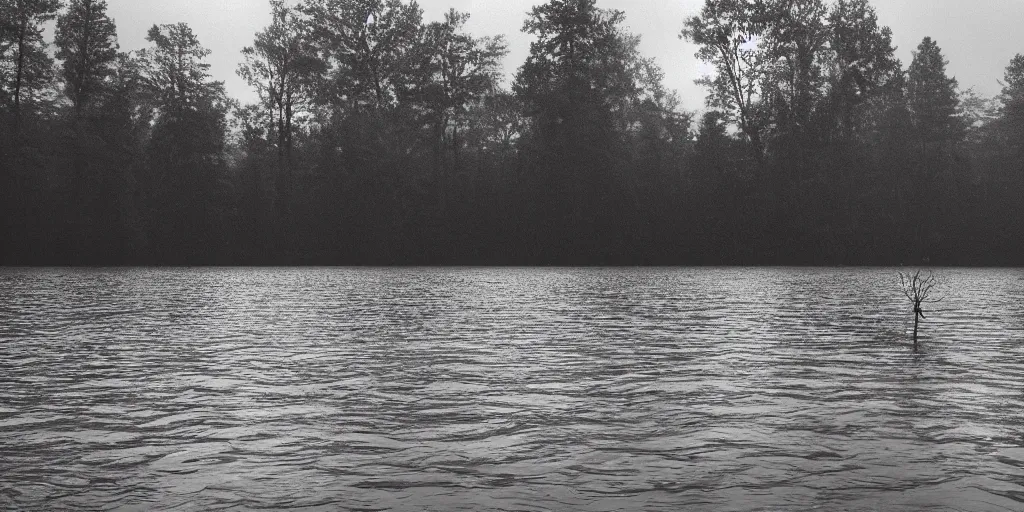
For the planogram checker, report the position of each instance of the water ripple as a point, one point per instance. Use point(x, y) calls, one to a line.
point(508, 389)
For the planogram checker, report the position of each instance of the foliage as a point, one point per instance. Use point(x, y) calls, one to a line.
point(932, 95)
point(367, 46)
point(86, 40)
point(728, 34)
point(460, 71)
point(1013, 108)
point(25, 65)
point(378, 137)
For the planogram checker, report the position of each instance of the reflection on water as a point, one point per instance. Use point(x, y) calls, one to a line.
point(508, 389)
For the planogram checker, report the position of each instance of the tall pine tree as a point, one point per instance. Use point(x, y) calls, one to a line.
point(24, 62)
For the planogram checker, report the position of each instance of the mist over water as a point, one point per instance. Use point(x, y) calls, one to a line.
point(509, 389)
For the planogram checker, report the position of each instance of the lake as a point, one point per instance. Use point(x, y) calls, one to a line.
point(697, 389)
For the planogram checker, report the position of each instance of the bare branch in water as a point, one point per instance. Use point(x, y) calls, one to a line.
point(918, 290)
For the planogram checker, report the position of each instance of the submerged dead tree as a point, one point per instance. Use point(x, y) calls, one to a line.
point(918, 290)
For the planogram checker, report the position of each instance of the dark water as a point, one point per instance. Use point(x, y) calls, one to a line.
point(508, 389)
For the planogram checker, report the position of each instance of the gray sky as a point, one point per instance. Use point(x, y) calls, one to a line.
point(978, 37)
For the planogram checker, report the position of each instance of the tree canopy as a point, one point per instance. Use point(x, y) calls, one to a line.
point(378, 137)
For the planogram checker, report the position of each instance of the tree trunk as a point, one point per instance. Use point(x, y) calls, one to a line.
point(83, 69)
point(280, 180)
point(19, 76)
point(289, 178)
point(455, 146)
point(916, 316)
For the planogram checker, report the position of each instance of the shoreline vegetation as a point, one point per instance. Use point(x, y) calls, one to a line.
point(381, 139)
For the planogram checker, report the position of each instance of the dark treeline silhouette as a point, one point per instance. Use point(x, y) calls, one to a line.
point(379, 138)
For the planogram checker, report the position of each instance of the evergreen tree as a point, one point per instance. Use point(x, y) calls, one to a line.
point(932, 95)
point(1013, 107)
point(25, 65)
point(581, 86)
point(933, 103)
point(186, 165)
point(86, 41)
point(87, 46)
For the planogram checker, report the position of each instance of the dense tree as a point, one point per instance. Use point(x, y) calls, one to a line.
point(379, 138)
point(580, 85)
point(933, 102)
point(932, 96)
point(461, 69)
point(728, 34)
point(496, 122)
point(176, 70)
point(125, 126)
point(26, 142)
point(1013, 107)
point(280, 65)
point(863, 65)
point(87, 46)
point(861, 74)
point(86, 41)
point(367, 46)
point(186, 148)
point(25, 68)
point(795, 41)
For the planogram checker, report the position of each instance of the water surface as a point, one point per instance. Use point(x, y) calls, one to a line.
point(508, 389)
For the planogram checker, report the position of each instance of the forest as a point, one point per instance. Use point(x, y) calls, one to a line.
point(382, 139)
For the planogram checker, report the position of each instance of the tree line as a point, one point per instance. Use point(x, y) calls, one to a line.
point(380, 138)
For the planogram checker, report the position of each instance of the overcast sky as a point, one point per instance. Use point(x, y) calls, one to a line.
point(978, 37)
